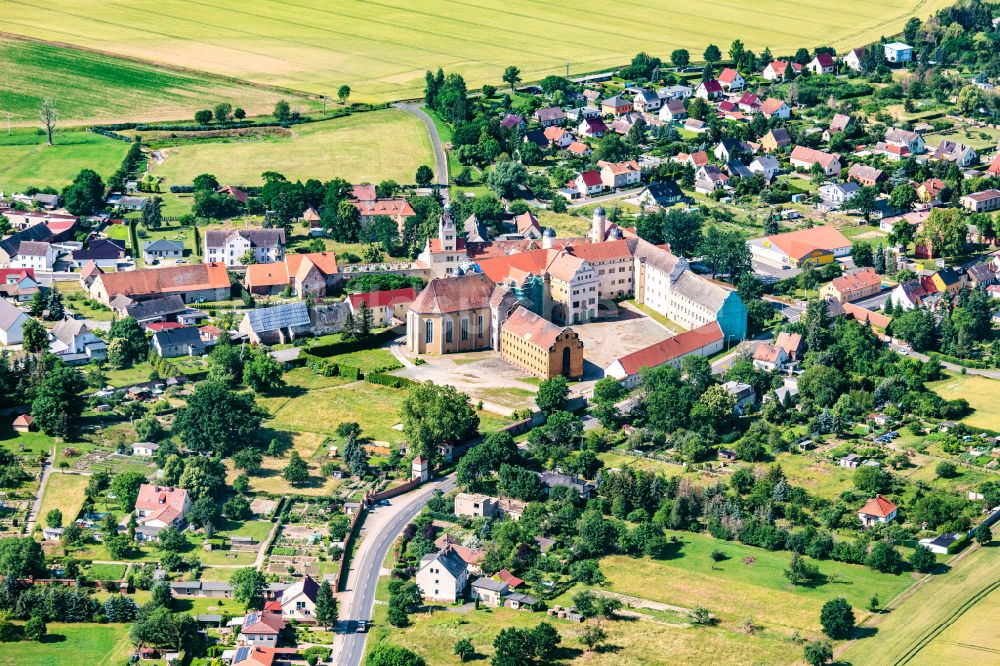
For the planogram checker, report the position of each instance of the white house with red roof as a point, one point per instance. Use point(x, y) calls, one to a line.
point(592, 128)
point(775, 108)
point(853, 59)
point(804, 158)
point(778, 70)
point(877, 510)
point(298, 602)
point(385, 305)
point(157, 507)
point(823, 63)
point(730, 79)
point(261, 628)
point(709, 90)
point(588, 183)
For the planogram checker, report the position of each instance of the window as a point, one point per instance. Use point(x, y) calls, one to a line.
point(449, 331)
point(479, 326)
point(465, 329)
point(428, 331)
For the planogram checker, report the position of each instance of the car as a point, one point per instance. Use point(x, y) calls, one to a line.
point(904, 352)
point(362, 627)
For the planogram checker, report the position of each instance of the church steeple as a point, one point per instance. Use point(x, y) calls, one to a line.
point(446, 231)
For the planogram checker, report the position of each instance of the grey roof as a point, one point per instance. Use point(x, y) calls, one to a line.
point(279, 316)
point(33, 248)
point(664, 190)
point(186, 585)
point(8, 314)
point(68, 329)
point(278, 587)
point(36, 232)
point(156, 307)
point(208, 617)
point(101, 248)
point(738, 169)
point(701, 291)
point(490, 584)
point(448, 558)
point(475, 230)
point(257, 237)
point(522, 599)
point(162, 245)
point(187, 335)
point(210, 585)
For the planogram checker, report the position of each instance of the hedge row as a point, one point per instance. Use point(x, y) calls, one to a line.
point(964, 362)
point(958, 544)
point(327, 368)
point(392, 381)
point(111, 134)
point(350, 346)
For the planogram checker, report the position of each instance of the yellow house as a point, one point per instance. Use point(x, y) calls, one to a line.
point(948, 280)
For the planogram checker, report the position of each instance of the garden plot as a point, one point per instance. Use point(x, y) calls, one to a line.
point(303, 545)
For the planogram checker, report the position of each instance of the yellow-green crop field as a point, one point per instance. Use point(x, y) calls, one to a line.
point(982, 393)
point(382, 49)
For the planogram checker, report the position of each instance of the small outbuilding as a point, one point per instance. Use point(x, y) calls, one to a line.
point(24, 423)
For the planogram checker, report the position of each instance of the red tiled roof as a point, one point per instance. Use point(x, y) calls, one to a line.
point(771, 106)
point(509, 578)
point(528, 326)
point(712, 86)
point(591, 178)
point(171, 279)
point(728, 75)
point(812, 155)
point(387, 207)
point(878, 506)
point(861, 279)
point(385, 298)
point(158, 326)
point(671, 348)
point(364, 192)
point(876, 319)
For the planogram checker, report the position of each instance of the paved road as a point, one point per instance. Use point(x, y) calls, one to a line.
point(440, 156)
point(47, 470)
point(906, 351)
point(382, 525)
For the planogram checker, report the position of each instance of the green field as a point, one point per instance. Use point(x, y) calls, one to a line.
point(66, 493)
point(364, 147)
point(25, 159)
point(71, 644)
point(950, 620)
point(382, 50)
point(982, 393)
point(88, 86)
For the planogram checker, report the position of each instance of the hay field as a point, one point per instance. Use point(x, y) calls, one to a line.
point(363, 147)
point(381, 49)
point(95, 87)
point(25, 159)
point(982, 393)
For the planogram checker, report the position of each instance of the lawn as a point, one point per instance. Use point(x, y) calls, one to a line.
point(25, 159)
point(950, 620)
point(68, 644)
point(382, 51)
point(375, 408)
point(106, 572)
point(734, 590)
point(982, 393)
point(65, 492)
point(367, 360)
point(364, 147)
point(815, 474)
point(90, 86)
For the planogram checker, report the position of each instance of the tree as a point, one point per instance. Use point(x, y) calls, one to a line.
point(592, 636)
point(433, 415)
point(945, 231)
point(837, 618)
point(799, 571)
point(725, 251)
point(239, 113)
point(282, 111)
point(682, 230)
point(680, 57)
point(902, 198)
point(203, 117)
point(22, 557)
point(133, 345)
point(553, 395)
point(35, 339)
point(922, 559)
point(425, 175)
point(818, 653)
point(385, 654)
point(863, 201)
point(48, 114)
point(946, 469)
point(85, 195)
point(217, 419)
point(262, 372)
point(511, 76)
point(248, 587)
point(506, 177)
point(297, 471)
point(464, 649)
point(902, 233)
point(222, 111)
point(119, 546)
point(35, 629)
point(54, 518)
point(204, 477)
point(736, 52)
point(326, 606)
point(982, 534)
point(125, 486)
point(871, 480)
point(5, 226)
point(248, 459)
point(343, 92)
point(712, 54)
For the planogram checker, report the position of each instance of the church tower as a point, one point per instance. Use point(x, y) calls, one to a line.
point(597, 227)
point(446, 231)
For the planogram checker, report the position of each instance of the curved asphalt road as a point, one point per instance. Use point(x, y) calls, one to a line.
point(440, 156)
point(383, 525)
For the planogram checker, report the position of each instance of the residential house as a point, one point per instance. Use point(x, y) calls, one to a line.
point(11, 324)
point(549, 116)
point(618, 175)
point(981, 275)
point(261, 629)
point(775, 139)
point(489, 592)
point(310, 273)
point(940, 544)
point(695, 125)
point(709, 90)
point(158, 250)
point(783, 354)
point(397, 209)
point(877, 510)
point(994, 168)
point(962, 155)
point(195, 283)
point(537, 136)
point(914, 293)
point(616, 106)
point(822, 63)
point(512, 121)
point(624, 123)
point(277, 324)
point(589, 183)
point(298, 601)
point(386, 306)
point(233, 193)
point(696, 159)
point(775, 108)
point(145, 449)
point(749, 103)
point(805, 158)
point(981, 202)
point(745, 396)
point(442, 576)
point(853, 59)
point(730, 149)
point(18, 284)
point(898, 52)
point(818, 245)
point(709, 178)
point(230, 246)
point(476, 505)
point(834, 194)
point(912, 141)
point(948, 281)
point(174, 342)
point(660, 194)
point(157, 507)
point(778, 71)
point(104, 252)
point(646, 100)
point(592, 128)
point(766, 165)
point(579, 149)
point(527, 225)
point(731, 80)
point(36, 255)
point(164, 308)
point(853, 286)
point(24, 423)
point(673, 111)
point(552, 480)
point(558, 137)
point(929, 190)
point(675, 92)
point(838, 124)
point(74, 342)
point(864, 175)
point(702, 341)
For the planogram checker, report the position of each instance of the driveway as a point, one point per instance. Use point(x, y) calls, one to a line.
point(440, 156)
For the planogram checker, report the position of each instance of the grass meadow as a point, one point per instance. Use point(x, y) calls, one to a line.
point(382, 50)
point(363, 147)
point(96, 87)
point(68, 644)
point(26, 160)
point(66, 493)
point(982, 393)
